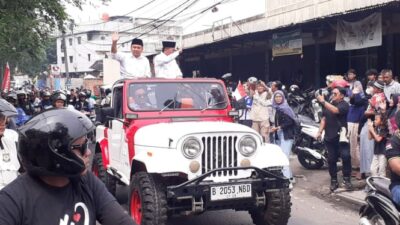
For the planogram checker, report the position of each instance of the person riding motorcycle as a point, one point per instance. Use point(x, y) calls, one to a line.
point(21, 117)
point(46, 101)
point(81, 104)
point(58, 188)
point(23, 103)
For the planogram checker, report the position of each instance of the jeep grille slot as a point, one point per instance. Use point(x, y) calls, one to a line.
point(219, 152)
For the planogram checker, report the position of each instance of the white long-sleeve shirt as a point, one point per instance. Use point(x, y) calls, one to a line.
point(165, 66)
point(131, 66)
point(9, 163)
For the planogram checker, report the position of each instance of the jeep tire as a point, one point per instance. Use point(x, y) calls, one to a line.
point(147, 199)
point(101, 173)
point(276, 211)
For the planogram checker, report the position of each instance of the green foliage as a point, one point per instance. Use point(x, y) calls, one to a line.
point(25, 30)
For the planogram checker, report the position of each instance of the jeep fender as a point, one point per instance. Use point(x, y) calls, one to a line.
point(161, 160)
point(103, 144)
point(269, 155)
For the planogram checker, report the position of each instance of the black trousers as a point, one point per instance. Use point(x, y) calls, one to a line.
point(336, 150)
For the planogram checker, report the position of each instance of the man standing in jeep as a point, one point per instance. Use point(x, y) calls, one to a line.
point(132, 65)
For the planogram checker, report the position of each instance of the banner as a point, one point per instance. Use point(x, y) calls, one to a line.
point(357, 35)
point(6, 79)
point(288, 43)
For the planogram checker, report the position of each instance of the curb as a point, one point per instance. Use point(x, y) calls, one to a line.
point(353, 197)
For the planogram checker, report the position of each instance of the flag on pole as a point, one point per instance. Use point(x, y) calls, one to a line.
point(239, 92)
point(6, 79)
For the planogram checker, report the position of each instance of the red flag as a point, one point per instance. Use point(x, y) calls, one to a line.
point(239, 92)
point(6, 79)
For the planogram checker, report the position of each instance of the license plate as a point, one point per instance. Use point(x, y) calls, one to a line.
point(230, 192)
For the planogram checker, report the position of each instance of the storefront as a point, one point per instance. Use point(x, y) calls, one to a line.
point(252, 54)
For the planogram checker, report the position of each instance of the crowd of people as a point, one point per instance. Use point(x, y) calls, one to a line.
point(29, 102)
point(357, 125)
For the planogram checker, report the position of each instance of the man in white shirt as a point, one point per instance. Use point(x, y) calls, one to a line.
point(165, 65)
point(133, 65)
point(9, 163)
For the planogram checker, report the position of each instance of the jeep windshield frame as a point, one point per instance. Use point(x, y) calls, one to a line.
point(176, 96)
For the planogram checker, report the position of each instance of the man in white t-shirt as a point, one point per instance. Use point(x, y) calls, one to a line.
point(133, 65)
point(165, 65)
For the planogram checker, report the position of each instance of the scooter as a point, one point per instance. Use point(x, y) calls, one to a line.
point(311, 153)
point(380, 209)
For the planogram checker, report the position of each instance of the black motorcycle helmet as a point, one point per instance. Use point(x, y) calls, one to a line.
point(45, 141)
point(58, 96)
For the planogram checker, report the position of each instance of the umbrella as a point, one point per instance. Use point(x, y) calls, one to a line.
point(7, 108)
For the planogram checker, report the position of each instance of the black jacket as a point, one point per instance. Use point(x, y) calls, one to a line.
point(286, 123)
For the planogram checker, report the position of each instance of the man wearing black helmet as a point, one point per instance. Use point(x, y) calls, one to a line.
point(133, 65)
point(58, 100)
point(82, 105)
point(46, 101)
point(57, 188)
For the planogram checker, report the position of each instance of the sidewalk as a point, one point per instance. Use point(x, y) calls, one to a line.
point(354, 197)
point(318, 181)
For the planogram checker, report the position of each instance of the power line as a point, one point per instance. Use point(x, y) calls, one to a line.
point(159, 18)
point(194, 2)
point(137, 9)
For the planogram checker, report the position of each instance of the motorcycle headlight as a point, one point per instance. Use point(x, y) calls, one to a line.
point(191, 148)
point(247, 145)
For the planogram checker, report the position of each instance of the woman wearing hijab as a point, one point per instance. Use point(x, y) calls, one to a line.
point(284, 127)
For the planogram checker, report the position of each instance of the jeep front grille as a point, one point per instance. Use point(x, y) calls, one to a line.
point(219, 152)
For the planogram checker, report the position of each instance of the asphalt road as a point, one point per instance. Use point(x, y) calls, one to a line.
point(312, 204)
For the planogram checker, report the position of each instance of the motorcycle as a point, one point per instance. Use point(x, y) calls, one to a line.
point(304, 103)
point(311, 153)
point(380, 209)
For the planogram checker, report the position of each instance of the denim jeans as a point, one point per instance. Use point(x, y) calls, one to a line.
point(396, 194)
point(286, 146)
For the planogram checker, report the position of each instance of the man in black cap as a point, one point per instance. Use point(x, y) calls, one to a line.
point(133, 65)
point(334, 123)
point(165, 65)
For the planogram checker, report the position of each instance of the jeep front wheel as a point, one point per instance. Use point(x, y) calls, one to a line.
point(147, 200)
point(101, 172)
point(276, 211)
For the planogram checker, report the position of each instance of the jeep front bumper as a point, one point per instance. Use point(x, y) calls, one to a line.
point(239, 194)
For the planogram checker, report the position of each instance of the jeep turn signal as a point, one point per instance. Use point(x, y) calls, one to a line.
point(245, 163)
point(194, 166)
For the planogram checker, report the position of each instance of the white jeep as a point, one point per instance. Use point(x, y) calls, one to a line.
point(175, 143)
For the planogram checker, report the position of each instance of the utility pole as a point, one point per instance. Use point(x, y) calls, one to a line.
point(65, 60)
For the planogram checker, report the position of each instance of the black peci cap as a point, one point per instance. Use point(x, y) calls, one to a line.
point(137, 41)
point(168, 44)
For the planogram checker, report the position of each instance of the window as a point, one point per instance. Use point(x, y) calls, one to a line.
point(62, 60)
point(79, 39)
point(71, 59)
point(88, 57)
point(62, 46)
point(70, 41)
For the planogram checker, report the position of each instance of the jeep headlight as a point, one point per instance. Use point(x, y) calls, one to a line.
point(191, 148)
point(247, 145)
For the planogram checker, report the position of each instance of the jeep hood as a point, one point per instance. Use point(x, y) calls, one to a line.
point(167, 135)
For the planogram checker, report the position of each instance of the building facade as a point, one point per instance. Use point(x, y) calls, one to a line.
point(262, 45)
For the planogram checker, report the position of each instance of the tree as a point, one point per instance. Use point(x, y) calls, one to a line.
point(26, 28)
